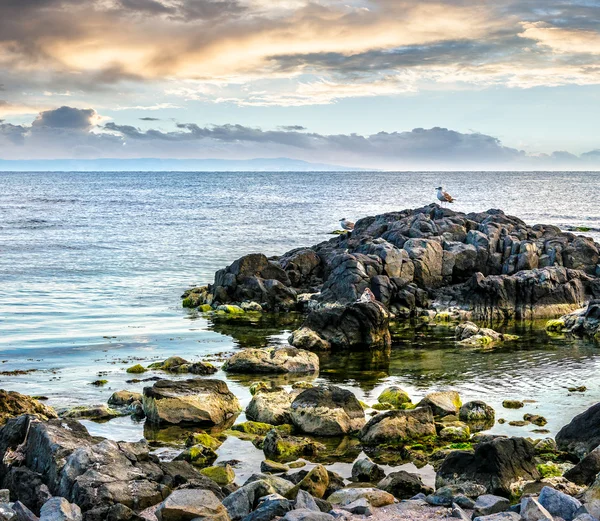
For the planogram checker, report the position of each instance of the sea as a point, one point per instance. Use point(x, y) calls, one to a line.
point(93, 265)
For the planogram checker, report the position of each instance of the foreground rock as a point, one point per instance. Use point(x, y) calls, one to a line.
point(496, 465)
point(582, 434)
point(201, 402)
point(278, 361)
point(14, 404)
point(327, 410)
point(188, 504)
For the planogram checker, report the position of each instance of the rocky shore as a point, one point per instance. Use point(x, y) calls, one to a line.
point(468, 270)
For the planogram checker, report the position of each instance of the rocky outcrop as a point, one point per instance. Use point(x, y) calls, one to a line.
point(200, 402)
point(399, 427)
point(327, 410)
point(582, 322)
point(14, 404)
point(276, 360)
point(582, 434)
point(496, 465)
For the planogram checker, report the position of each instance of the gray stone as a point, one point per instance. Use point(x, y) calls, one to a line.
point(490, 504)
point(4, 495)
point(531, 510)
point(7, 513)
point(501, 516)
point(188, 504)
point(23, 513)
point(365, 471)
point(359, 507)
point(269, 507)
point(307, 515)
point(59, 509)
point(376, 497)
point(304, 501)
point(459, 513)
point(243, 501)
point(558, 503)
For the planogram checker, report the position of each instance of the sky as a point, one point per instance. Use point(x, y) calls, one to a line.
point(387, 84)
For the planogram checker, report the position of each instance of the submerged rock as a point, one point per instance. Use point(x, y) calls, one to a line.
point(327, 410)
point(176, 364)
point(124, 398)
point(202, 401)
point(274, 360)
point(92, 412)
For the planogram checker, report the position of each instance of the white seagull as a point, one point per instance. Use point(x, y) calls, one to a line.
point(444, 197)
point(367, 296)
point(346, 224)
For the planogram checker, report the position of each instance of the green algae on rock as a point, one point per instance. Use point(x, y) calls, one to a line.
point(136, 369)
point(394, 396)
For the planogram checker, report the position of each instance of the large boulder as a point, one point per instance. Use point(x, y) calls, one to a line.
point(403, 485)
point(14, 404)
point(496, 465)
point(272, 406)
point(190, 504)
point(582, 434)
point(200, 402)
point(399, 427)
point(274, 360)
point(585, 472)
point(278, 445)
point(327, 410)
point(427, 256)
point(442, 403)
point(363, 324)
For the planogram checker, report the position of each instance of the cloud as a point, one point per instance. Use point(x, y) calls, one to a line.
point(149, 119)
point(69, 132)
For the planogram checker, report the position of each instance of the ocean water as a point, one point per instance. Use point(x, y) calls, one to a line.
point(92, 266)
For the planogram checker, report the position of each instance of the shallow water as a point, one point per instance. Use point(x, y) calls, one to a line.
point(92, 266)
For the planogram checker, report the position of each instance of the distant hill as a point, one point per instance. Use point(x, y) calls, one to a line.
point(167, 165)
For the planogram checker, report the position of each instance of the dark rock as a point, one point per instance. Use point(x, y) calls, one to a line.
point(59, 509)
point(585, 472)
point(270, 507)
point(365, 471)
point(244, 500)
point(403, 485)
point(582, 434)
point(489, 504)
point(496, 465)
point(23, 513)
point(558, 503)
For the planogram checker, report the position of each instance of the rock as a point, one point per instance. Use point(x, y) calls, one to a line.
point(427, 256)
point(283, 446)
point(252, 427)
point(394, 396)
point(275, 360)
point(558, 503)
point(92, 412)
point(270, 507)
point(201, 402)
point(198, 455)
point(202, 438)
point(306, 515)
point(315, 483)
point(591, 497)
point(585, 517)
point(459, 513)
point(59, 509)
point(363, 324)
point(502, 516)
point(455, 432)
point(191, 504)
point(23, 513)
point(585, 472)
point(512, 404)
point(398, 427)
point(582, 434)
point(489, 504)
point(476, 411)
point(245, 499)
point(496, 465)
point(7, 513)
point(365, 471)
point(271, 406)
point(468, 333)
point(305, 501)
point(136, 369)
point(306, 338)
point(221, 475)
point(403, 485)
point(359, 507)
point(279, 484)
point(124, 398)
point(531, 510)
point(327, 410)
point(375, 497)
point(13, 404)
point(442, 403)
point(273, 467)
point(176, 364)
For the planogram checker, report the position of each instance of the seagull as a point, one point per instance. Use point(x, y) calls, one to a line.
point(346, 224)
point(367, 296)
point(444, 197)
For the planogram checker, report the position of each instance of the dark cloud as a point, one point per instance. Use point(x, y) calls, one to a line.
point(149, 119)
point(147, 6)
point(292, 127)
point(66, 118)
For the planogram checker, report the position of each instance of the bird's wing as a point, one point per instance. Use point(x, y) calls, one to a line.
point(448, 197)
point(350, 224)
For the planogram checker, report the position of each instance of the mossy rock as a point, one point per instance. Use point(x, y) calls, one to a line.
point(258, 386)
point(251, 427)
point(383, 406)
point(536, 419)
point(549, 470)
point(302, 385)
point(205, 308)
point(202, 438)
point(455, 432)
point(394, 395)
point(363, 405)
point(555, 325)
point(230, 309)
point(198, 455)
point(99, 383)
point(136, 369)
point(513, 404)
point(221, 475)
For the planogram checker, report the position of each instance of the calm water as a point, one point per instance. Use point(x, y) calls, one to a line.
point(92, 266)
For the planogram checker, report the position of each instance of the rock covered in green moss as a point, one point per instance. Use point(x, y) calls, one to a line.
point(442, 403)
point(278, 445)
point(258, 386)
point(476, 411)
point(455, 432)
point(275, 360)
point(222, 475)
point(394, 395)
point(230, 309)
point(252, 427)
point(536, 419)
point(92, 412)
point(513, 404)
point(273, 467)
point(468, 333)
point(382, 406)
point(136, 369)
point(200, 401)
point(555, 325)
point(203, 438)
point(399, 427)
point(176, 364)
point(198, 455)
point(14, 404)
point(124, 398)
point(315, 483)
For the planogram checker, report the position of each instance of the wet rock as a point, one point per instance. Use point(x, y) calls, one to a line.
point(273, 467)
point(442, 403)
point(201, 401)
point(275, 360)
point(270, 507)
point(399, 427)
point(198, 455)
point(558, 503)
point(59, 509)
point(305, 501)
point(176, 364)
point(245, 499)
point(512, 404)
point(222, 475)
point(271, 406)
point(287, 447)
point(585, 472)
point(582, 434)
point(403, 485)
point(365, 471)
point(394, 396)
point(476, 411)
point(532, 510)
point(136, 369)
point(124, 398)
point(13, 404)
point(359, 507)
point(92, 412)
point(496, 465)
point(306, 338)
point(455, 432)
point(191, 504)
point(315, 483)
point(375, 497)
point(327, 410)
point(489, 504)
